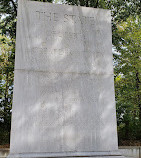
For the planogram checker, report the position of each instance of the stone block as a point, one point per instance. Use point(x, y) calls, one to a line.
point(64, 102)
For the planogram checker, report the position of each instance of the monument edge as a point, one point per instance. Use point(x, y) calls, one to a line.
point(49, 3)
point(110, 154)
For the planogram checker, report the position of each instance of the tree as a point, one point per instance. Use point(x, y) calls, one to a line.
point(6, 86)
point(8, 11)
point(128, 79)
point(126, 30)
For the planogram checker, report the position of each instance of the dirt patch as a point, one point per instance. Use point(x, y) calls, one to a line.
point(130, 143)
point(5, 146)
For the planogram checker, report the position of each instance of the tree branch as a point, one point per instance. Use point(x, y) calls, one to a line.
point(14, 5)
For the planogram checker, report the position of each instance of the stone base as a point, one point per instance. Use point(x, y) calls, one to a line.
point(114, 154)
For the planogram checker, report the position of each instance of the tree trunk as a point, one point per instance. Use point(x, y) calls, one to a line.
point(138, 94)
point(6, 102)
point(96, 5)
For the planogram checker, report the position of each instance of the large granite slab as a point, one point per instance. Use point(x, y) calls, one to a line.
point(64, 88)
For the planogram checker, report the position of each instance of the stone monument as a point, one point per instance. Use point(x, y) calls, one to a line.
point(64, 101)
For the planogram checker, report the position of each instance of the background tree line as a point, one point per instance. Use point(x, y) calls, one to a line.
point(126, 30)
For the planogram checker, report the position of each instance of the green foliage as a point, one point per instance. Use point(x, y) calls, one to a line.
point(8, 9)
point(128, 79)
point(126, 30)
point(6, 85)
point(8, 12)
point(4, 136)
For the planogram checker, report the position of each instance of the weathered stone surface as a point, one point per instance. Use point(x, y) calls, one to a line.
point(71, 155)
point(63, 39)
point(64, 87)
point(63, 112)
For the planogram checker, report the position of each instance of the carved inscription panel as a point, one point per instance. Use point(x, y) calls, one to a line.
point(64, 39)
point(63, 87)
point(63, 112)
